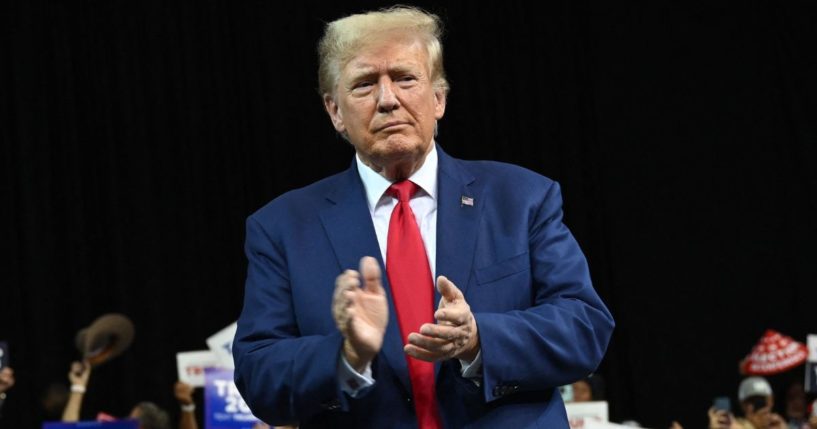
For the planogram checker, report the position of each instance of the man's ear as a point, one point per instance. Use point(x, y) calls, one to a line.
point(439, 106)
point(334, 112)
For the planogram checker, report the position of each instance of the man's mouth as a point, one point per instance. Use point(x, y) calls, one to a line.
point(392, 124)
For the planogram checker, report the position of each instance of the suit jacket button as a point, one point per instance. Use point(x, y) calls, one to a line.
point(408, 399)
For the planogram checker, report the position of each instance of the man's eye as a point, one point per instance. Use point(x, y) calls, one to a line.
point(362, 85)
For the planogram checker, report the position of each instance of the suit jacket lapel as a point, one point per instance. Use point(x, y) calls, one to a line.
point(458, 211)
point(349, 227)
point(459, 207)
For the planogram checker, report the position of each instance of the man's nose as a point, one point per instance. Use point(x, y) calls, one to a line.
point(386, 97)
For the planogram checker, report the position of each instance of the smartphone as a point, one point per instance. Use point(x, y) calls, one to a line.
point(722, 403)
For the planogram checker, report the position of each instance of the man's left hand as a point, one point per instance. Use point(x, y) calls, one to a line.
point(455, 333)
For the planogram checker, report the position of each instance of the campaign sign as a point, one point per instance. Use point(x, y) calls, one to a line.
point(811, 377)
point(224, 408)
point(119, 424)
point(191, 365)
point(221, 343)
point(580, 414)
point(811, 364)
point(4, 354)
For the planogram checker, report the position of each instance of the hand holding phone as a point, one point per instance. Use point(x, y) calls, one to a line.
point(722, 403)
point(720, 416)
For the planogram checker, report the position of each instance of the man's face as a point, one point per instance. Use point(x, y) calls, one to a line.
point(582, 392)
point(759, 413)
point(386, 105)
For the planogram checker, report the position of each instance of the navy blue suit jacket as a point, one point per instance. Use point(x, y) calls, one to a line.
point(540, 323)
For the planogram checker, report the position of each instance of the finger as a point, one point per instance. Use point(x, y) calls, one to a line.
point(372, 278)
point(348, 281)
point(443, 332)
point(448, 290)
point(435, 345)
point(422, 354)
point(457, 316)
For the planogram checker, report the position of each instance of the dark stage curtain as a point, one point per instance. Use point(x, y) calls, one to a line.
point(137, 137)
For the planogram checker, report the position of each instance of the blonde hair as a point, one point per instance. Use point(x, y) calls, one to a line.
point(343, 37)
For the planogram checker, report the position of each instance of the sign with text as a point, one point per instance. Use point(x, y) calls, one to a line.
point(811, 377)
point(811, 364)
point(191, 366)
point(221, 343)
point(224, 408)
point(4, 354)
point(579, 414)
point(119, 424)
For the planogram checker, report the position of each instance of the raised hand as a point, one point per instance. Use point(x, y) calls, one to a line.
point(455, 333)
point(361, 313)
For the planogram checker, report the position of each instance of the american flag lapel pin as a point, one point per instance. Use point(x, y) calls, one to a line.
point(466, 201)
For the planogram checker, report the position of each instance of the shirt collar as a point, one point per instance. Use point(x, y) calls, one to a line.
point(375, 184)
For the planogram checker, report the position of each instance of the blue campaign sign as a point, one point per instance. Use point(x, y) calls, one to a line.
point(223, 406)
point(119, 424)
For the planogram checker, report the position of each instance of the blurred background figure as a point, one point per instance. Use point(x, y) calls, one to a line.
point(6, 382)
point(150, 416)
point(589, 389)
point(756, 401)
point(53, 400)
point(78, 376)
point(796, 408)
point(184, 394)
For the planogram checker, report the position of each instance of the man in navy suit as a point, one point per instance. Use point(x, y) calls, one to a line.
point(322, 340)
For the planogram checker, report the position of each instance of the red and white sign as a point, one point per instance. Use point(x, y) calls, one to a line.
point(191, 366)
point(773, 354)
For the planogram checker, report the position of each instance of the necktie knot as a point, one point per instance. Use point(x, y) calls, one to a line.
point(403, 190)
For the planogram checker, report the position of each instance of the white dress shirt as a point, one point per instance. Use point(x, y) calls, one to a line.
point(381, 205)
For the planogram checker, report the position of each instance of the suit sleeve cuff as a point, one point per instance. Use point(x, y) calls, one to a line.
point(351, 381)
point(472, 370)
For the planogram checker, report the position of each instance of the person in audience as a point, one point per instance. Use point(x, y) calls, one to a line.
point(78, 375)
point(184, 394)
point(53, 400)
point(756, 402)
point(589, 389)
point(150, 416)
point(796, 408)
point(6, 382)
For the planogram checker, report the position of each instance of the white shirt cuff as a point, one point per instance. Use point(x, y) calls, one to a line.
point(472, 370)
point(350, 380)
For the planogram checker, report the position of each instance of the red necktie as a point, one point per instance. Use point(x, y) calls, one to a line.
point(413, 291)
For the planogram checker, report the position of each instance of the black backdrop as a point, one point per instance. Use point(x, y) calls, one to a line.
point(137, 136)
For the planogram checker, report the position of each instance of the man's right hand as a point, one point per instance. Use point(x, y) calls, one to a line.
point(361, 313)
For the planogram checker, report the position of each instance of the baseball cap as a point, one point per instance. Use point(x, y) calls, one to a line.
point(754, 386)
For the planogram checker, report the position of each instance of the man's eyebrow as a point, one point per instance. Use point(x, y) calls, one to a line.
point(365, 70)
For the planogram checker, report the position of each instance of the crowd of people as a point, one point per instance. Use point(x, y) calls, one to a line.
point(148, 414)
point(756, 405)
